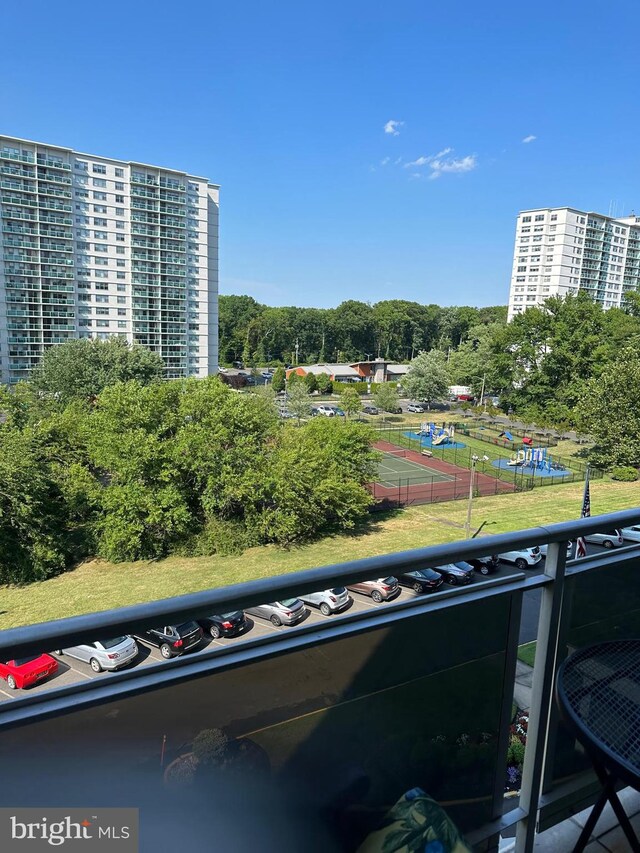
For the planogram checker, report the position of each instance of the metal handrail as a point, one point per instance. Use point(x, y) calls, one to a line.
point(69, 631)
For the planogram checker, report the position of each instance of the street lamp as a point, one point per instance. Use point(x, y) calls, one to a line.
point(474, 461)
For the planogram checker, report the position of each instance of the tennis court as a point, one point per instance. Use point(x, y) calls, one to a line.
point(395, 467)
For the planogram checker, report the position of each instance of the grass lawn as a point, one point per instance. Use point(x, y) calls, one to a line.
point(527, 653)
point(98, 585)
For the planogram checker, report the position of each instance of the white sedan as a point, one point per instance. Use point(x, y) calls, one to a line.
point(631, 534)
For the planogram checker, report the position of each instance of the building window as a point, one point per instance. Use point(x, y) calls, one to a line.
point(520, 278)
point(119, 199)
point(522, 269)
point(120, 237)
point(120, 264)
point(99, 208)
point(119, 173)
point(98, 221)
point(120, 275)
point(100, 285)
point(119, 224)
point(102, 298)
point(121, 300)
point(119, 211)
point(99, 169)
point(100, 247)
point(122, 312)
point(554, 216)
point(526, 219)
point(102, 324)
point(122, 324)
point(120, 250)
point(99, 196)
point(539, 217)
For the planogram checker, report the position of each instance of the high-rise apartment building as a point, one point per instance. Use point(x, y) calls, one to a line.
point(96, 247)
point(562, 250)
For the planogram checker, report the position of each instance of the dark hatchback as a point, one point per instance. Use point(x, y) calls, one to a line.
point(173, 640)
point(225, 625)
point(456, 573)
point(422, 580)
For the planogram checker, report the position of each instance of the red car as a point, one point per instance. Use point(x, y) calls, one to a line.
point(24, 672)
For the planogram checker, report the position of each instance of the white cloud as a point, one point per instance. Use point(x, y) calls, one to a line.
point(384, 161)
point(453, 166)
point(423, 161)
point(529, 138)
point(392, 126)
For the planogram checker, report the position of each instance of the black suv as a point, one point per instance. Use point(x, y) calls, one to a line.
point(225, 625)
point(173, 640)
point(484, 565)
point(422, 580)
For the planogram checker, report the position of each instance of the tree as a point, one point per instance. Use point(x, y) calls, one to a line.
point(279, 380)
point(298, 400)
point(427, 379)
point(385, 397)
point(82, 368)
point(311, 382)
point(609, 411)
point(350, 402)
point(324, 383)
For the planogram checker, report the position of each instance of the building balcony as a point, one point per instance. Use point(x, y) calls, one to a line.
point(328, 723)
point(20, 157)
point(53, 163)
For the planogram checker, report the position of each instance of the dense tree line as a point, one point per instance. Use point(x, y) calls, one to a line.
point(139, 468)
point(394, 329)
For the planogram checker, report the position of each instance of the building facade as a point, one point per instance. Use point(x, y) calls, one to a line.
point(563, 250)
point(96, 247)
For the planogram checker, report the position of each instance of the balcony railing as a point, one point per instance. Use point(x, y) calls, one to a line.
point(346, 713)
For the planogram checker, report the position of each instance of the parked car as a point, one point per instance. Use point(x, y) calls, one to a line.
point(239, 365)
point(27, 671)
point(544, 548)
point(266, 374)
point(173, 640)
point(415, 407)
point(339, 412)
point(523, 558)
point(327, 411)
point(370, 410)
point(485, 565)
point(610, 539)
point(328, 600)
point(631, 534)
point(225, 625)
point(109, 654)
point(285, 612)
point(456, 573)
point(394, 410)
point(422, 580)
point(381, 589)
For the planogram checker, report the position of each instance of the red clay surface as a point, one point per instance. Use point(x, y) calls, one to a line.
point(448, 490)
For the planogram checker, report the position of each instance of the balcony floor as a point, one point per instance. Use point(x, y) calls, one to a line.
point(607, 838)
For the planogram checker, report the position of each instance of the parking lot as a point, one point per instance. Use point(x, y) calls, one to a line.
point(72, 671)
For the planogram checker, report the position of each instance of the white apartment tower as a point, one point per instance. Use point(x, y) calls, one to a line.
point(562, 250)
point(96, 247)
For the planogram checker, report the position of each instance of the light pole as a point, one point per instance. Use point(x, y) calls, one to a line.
point(474, 461)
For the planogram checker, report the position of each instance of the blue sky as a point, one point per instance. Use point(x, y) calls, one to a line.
point(285, 105)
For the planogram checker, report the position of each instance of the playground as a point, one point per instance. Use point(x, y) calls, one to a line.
point(502, 463)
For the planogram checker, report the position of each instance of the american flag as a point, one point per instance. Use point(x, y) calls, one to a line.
point(581, 546)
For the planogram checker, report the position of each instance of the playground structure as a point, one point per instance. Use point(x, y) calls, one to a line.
point(436, 434)
point(535, 458)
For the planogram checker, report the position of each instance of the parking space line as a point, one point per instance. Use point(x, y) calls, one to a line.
point(79, 671)
point(10, 695)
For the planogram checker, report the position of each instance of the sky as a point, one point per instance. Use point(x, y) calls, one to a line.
point(364, 150)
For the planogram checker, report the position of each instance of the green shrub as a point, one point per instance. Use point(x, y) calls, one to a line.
point(360, 387)
point(624, 473)
point(515, 753)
